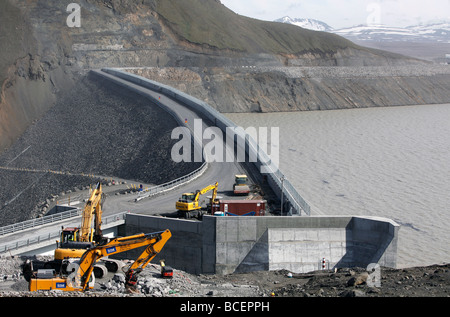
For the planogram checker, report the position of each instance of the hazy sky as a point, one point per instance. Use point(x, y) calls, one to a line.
point(345, 13)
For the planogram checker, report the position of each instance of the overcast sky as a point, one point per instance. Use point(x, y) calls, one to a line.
point(346, 13)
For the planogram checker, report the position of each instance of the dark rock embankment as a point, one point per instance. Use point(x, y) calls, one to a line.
point(95, 129)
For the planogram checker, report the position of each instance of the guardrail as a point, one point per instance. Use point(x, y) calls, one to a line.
point(179, 181)
point(54, 235)
point(28, 224)
point(172, 184)
point(276, 179)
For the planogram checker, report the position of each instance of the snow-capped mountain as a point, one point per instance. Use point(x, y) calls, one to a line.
point(419, 33)
point(433, 32)
point(310, 24)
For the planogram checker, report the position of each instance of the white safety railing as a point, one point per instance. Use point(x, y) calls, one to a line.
point(28, 224)
point(54, 235)
point(172, 184)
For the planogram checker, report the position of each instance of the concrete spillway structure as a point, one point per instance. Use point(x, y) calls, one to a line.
point(223, 245)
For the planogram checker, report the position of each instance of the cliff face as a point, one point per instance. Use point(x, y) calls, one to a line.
point(42, 56)
point(272, 89)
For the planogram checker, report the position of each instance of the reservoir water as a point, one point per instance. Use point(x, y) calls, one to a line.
point(390, 162)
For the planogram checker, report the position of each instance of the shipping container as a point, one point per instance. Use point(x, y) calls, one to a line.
point(240, 208)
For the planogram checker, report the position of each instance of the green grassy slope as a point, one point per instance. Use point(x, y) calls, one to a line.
point(209, 23)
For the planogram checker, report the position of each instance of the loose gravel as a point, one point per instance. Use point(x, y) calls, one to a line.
point(95, 129)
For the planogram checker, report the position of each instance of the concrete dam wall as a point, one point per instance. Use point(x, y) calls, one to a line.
point(223, 245)
point(295, 203)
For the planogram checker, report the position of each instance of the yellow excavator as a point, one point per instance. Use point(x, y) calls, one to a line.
point(80, 277)
point(74, 241)
point(189, 206)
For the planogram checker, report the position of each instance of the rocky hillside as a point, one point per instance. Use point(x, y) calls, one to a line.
point(96, 129)
point(41, 55)
point(236, 64)
point(272, 89)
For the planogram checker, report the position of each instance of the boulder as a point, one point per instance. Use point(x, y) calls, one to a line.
point(358, 280)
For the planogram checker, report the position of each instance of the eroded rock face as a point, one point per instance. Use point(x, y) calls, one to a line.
point(272, 89)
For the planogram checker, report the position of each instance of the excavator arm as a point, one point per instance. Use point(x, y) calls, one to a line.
point(207, 189)
point(78, 280)
point(92, 210)
point(188, 205)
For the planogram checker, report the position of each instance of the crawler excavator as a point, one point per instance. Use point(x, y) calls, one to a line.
point(189, 206)
point(75, 241)
point(80, 277)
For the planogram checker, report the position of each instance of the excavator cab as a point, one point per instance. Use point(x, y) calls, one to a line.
point(69, 234)
point(70, 237)
point(187, 202)
point(70, 246)
point(187, 197)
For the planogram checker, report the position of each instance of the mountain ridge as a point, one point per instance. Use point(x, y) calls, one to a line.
point(438, 31)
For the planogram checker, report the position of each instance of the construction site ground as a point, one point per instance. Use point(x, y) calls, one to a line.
point(430, 281)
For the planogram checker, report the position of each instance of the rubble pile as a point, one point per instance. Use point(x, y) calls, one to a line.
point(10, 267)
point(149, 283)
point(429, 281)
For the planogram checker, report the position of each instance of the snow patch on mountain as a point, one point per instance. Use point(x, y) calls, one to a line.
point(438, 32)
point(310, 24)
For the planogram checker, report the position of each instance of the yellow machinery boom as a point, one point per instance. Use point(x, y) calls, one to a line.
point(80, 279)
point(92, 209)
point(190, 201)
point(75, 241)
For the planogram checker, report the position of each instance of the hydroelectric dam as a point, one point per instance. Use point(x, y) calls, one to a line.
point(299, 240)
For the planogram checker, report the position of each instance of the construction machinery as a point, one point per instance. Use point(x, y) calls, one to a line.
point(166, 271)
point(74, 241)
point(80, 278)
point(189, 206)
point(240, 186)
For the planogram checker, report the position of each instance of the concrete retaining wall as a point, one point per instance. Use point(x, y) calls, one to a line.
point(223, 245)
